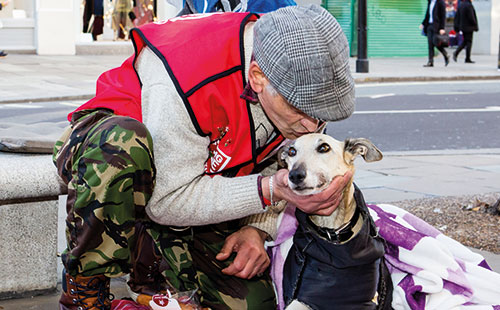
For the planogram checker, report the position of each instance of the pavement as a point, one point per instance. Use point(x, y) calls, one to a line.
point(399, 176)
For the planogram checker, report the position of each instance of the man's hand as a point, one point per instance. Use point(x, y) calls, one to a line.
point(251, 256)
point(441, 31)
point(323, 203)
point(421, 27)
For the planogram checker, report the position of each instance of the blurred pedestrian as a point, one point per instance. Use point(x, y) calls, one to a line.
point(465, 22)
point(2, 4)
point(93, 8)
point(433, 23)
point(121, 23)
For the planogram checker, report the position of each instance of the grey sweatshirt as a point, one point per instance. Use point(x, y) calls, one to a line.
point(183, 195)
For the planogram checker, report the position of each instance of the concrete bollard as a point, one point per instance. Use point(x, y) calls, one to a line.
point(29, 189)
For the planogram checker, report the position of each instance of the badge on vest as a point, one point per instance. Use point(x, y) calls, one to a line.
point(217, 160)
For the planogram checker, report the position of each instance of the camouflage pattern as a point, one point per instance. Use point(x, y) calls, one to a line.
point(190, 253)
point(107, 162)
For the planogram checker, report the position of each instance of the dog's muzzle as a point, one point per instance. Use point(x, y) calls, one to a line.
point(297, 176)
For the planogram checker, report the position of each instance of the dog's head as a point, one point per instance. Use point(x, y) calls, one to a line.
point(314, 160)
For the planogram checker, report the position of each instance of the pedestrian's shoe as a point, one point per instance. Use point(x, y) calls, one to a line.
point(85, 293)
point(3, 54)
point(446, 60)
point(468, 61)
point(429, 64)
point(455, 56)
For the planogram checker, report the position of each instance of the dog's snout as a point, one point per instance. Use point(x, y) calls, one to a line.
point(297, 176)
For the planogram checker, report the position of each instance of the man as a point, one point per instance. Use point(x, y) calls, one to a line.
point(465, 22)
point(433, 23)
point(217, 94)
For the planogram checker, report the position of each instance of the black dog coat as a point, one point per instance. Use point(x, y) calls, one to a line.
point(324, 274)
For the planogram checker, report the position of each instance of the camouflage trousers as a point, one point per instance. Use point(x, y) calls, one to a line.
point(108, 164)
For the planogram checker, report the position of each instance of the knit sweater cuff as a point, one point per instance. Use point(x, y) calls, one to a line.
point(266, 222)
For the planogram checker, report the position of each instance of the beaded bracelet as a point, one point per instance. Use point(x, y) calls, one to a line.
point(271, 190)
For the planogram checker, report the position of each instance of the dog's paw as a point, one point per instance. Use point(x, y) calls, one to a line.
point(279, 207)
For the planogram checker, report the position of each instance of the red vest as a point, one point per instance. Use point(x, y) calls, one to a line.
point(203, 55)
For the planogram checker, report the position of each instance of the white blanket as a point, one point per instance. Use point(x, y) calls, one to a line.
point(428, 269)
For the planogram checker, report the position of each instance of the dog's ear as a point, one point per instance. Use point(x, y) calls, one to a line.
point(363, 147)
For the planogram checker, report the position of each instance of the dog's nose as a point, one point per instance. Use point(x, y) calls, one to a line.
point(297, 176)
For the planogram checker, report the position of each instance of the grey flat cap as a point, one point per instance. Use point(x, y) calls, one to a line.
point(305, 55)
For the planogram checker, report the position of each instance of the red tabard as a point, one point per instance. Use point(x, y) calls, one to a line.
point(203, 55)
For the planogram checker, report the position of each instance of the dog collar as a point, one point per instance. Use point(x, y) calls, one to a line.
point(341, 234)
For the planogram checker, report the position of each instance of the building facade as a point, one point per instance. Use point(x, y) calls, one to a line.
point(55, 27)
point(393, 25)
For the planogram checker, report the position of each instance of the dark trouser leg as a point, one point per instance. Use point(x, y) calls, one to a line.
point(191, 256)
point(443, 51)
point(468, 45)
point(460, 47)
point(107, 162)
point(430, 42)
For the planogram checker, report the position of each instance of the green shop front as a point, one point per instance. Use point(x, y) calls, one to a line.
point(393, 26)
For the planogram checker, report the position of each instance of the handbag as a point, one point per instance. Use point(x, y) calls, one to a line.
point(441, 40)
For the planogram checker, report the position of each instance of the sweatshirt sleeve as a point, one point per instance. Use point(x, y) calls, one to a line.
point(183, 196)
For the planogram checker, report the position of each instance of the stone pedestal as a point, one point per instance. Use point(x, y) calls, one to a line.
point(55, 25)
point(29, 190)
point(28, 256)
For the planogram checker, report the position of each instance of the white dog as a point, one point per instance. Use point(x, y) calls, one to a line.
point(335, 261)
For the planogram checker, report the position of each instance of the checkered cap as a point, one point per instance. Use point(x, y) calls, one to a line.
point(304, 53)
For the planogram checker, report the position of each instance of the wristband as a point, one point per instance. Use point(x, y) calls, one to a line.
point(263, 200)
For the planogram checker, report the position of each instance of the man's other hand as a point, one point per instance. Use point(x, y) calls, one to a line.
point(323, 203)
point(442, 31)
point(251, 256)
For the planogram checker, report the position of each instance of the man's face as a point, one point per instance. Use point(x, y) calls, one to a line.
point(290, 121)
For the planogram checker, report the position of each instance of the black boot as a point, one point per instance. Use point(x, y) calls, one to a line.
point(148, 264)
point(429, 64)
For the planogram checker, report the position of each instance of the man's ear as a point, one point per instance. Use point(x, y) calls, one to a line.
point(256, 77)
point(282, 155)
point(363, 147)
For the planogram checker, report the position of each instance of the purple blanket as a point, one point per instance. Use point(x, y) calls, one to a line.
point(428, 269)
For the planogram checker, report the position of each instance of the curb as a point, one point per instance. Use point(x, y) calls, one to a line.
point(424, 78)
point(46, 99)
point(449, 152)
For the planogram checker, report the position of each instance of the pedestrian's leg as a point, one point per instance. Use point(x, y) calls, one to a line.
point(430, 43)
point(191, 256)
point(459, 49)
point(468, 48)
point(430, 46)
point(107, 162)
point(445, 55)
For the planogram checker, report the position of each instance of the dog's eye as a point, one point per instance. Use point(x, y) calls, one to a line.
point(323, 148)
point(292, 152)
